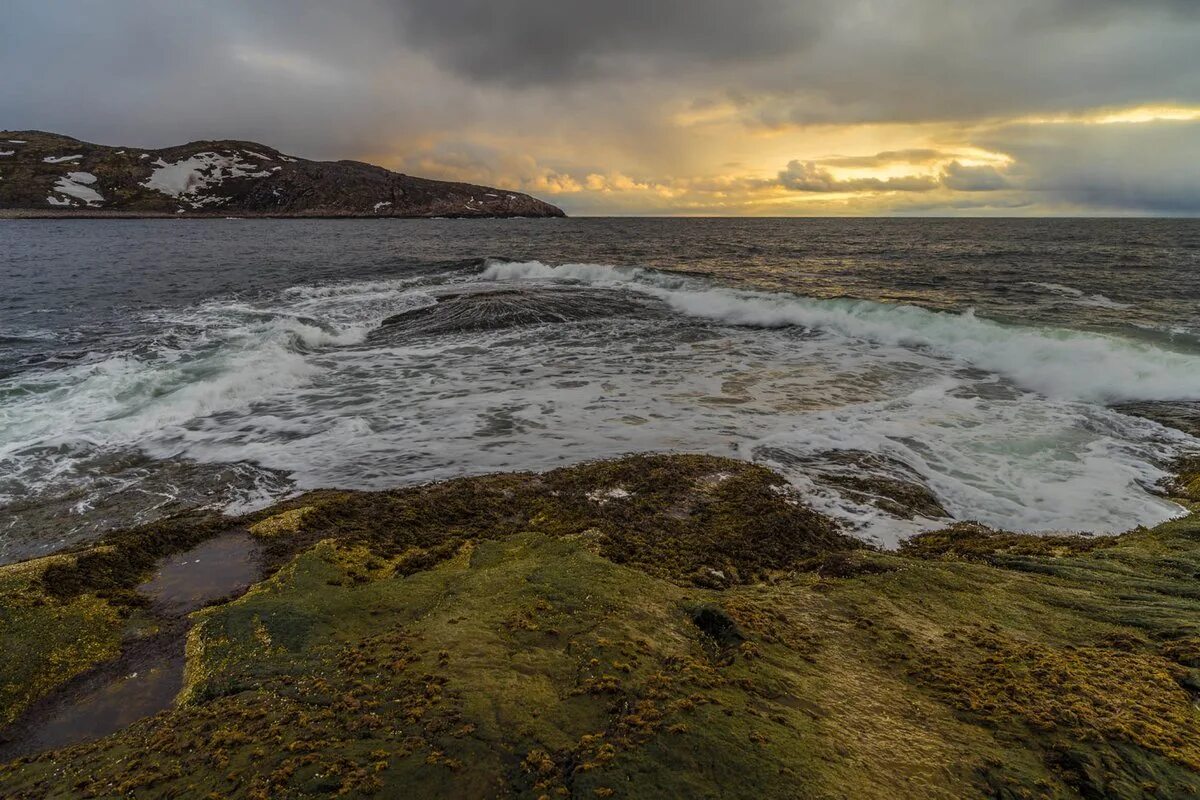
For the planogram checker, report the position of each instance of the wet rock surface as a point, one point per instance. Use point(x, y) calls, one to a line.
point(148, 674)
point(1181, 416)
point(507, 308)
point(870, 478)
point(131, 488)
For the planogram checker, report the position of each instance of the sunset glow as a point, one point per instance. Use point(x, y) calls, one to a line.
point(767, 107)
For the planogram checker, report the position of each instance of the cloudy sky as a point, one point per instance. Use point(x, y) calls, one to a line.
point(729, 107)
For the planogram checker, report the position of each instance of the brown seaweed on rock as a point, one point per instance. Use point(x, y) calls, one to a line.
point(654, 626)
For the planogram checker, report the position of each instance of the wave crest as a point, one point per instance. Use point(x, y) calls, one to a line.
point(1056, 362)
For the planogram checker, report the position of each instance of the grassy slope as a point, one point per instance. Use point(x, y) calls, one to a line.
point(546, 644)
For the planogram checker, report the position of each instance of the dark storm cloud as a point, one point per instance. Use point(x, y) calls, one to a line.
point(1074, 12)
point(930, 60)
point(827, 61)
point(1150, 168)
point(789, 61)
point(559, 41)
point(153, 73)
point(560, 89)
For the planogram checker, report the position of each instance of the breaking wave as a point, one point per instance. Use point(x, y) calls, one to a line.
point(484, 366)
point(1059, 363)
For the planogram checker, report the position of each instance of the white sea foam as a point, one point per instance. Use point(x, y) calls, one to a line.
point(1056, 288)
point(1017, 462)
point(1059, 363)
point(998, 420)
point(1079, 297)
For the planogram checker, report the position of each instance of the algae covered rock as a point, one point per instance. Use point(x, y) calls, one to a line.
point(654, 626)
point(45, 640)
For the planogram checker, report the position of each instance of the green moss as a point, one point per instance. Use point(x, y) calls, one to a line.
point(281, 524)
point(693, 634)
point(1186, 483)
point(1104, 693)
point(47, 641)
point(123, 559)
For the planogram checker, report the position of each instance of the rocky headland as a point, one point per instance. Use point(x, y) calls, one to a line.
point(49, 175)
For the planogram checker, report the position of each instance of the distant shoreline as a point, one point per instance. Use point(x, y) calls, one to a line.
point(38, 213)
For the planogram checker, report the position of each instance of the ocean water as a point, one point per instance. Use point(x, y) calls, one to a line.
point(148, 366)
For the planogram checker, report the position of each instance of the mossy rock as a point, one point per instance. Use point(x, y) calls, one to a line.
point(46, 641)
point(656, 627)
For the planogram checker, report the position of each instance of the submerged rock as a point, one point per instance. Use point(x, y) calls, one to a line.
point(1182, 416)
point(867, 478)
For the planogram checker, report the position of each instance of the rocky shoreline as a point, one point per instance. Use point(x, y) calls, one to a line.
point(652, 626)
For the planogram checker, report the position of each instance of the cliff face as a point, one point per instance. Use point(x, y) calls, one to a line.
point(45, 174)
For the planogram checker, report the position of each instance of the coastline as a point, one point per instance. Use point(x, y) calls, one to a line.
point(43, 214)
point(618, 628)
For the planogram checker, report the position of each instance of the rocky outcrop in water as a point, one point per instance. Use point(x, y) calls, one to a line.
point(45, 174)
point(456, 312)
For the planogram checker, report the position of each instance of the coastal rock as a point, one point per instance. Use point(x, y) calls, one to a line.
point(652, 626)
point(46, 174)
point(868, 478)
point(458, 312)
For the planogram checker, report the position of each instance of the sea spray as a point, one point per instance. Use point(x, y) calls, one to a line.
point(1060, 363)
point(1001, 421)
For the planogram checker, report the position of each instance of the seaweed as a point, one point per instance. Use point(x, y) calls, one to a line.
point(645, 627)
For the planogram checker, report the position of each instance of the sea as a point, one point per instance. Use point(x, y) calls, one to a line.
point(1015, 368)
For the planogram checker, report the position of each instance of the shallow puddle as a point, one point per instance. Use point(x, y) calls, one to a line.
point(136, 695)
point(149, 675)
point(218, 568)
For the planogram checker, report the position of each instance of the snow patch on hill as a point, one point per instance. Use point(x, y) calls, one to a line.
point(79, 186)
point(189, 178)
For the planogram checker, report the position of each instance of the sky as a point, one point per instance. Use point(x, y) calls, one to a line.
point(655, 107)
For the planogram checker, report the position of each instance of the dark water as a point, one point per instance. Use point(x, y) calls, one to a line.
point(146, 365)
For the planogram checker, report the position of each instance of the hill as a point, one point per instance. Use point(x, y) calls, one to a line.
point(46, 174)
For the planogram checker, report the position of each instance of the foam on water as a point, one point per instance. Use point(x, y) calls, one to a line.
point(1002, 422)
point(1060, 363)
point(1014, 461)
